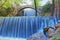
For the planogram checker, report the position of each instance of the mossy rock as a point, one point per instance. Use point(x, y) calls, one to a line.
point(56, 36)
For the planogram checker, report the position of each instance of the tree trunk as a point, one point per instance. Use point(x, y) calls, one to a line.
point(57, 10)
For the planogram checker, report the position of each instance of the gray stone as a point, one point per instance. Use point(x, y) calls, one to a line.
point(37, 36)
point(56, 35)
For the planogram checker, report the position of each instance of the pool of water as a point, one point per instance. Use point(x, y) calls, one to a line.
point(10, 38)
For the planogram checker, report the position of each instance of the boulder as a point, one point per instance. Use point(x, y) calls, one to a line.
point(56, 35)
point(37, 36)
point(50, 31)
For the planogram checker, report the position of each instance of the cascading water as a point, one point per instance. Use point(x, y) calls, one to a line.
point(25, 26)
point(30, 12)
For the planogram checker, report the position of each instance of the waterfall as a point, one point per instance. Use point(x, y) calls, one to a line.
point(30, 12)
point(24, 26)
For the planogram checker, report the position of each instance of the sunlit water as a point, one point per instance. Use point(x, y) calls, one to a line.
point(30, 12)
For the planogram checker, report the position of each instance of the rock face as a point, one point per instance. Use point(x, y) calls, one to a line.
point(37, 36)
point(56, 35)
point(51, 32)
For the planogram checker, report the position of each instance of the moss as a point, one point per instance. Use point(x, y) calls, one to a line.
point(55, 37)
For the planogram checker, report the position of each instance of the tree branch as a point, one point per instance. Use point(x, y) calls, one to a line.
point(2, 4)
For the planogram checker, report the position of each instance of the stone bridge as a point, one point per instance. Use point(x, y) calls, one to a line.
point(27, 6)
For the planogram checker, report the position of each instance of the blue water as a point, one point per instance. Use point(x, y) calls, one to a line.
point(25, 26)
point(30, 12)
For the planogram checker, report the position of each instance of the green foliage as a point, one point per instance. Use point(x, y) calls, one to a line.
point(47, 7)
point(47, 14)
point(56, 37)
point(3, 12)
point(8, 3)
point(57, 1)
point(6, 7)
point(38, 2)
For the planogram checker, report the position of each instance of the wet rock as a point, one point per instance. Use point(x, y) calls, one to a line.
point(57, 25)
point(50, 31)
point(37, 36)
point(56, 35)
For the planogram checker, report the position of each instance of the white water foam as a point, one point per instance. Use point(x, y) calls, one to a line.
point(8, 38)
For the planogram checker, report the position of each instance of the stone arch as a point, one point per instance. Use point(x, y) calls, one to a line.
point(27, 7)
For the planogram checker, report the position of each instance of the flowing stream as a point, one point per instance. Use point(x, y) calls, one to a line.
point(24, 26)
